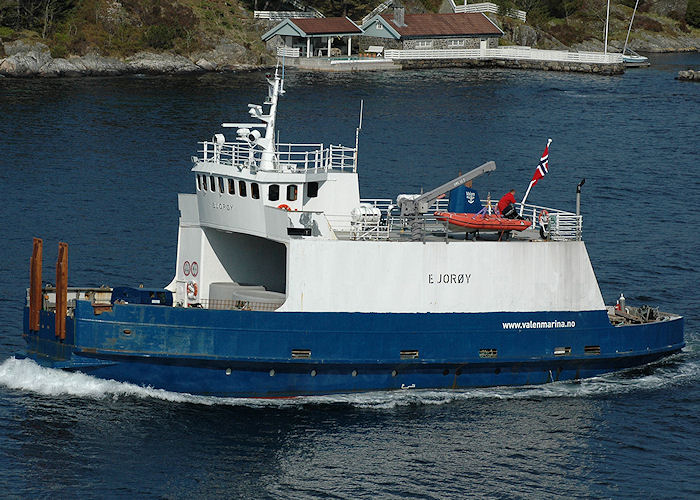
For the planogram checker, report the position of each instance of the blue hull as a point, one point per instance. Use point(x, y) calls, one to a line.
point(268, 354)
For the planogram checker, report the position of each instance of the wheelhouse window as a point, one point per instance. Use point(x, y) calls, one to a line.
point(254, 190)
point(221, 184)
point(292, 191)
point(212, 183)
point(204, 182)
point(231, 186)
point(273, 192)
point(312, 189)
point(199, 183)
point(242, 189)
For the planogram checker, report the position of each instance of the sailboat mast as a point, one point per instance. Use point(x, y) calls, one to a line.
point(630, 28)
point(607, 21)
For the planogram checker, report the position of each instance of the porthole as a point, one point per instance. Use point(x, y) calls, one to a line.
point(394, 373)
point(272, 373)
point(458, 372)
point(497, 371)
point(354, 373)
point(445, 371)
point(228, 371)
point(313, 373)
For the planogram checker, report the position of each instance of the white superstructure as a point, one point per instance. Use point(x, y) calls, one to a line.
point(282, 227)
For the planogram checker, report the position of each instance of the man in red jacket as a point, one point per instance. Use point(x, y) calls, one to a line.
point(506, 205)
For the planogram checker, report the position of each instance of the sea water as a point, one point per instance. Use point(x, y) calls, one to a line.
point(97, 162)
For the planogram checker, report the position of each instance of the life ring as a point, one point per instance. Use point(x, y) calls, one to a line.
point(191, 290)
point(284, 207)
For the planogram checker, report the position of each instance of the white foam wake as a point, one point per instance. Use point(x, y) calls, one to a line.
point(26, 375)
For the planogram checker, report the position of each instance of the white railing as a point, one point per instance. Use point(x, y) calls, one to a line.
point(507, 53)
point(281, 15)
point(487, 7)
point(288, 157)
point(555, 225)
point(288, 51)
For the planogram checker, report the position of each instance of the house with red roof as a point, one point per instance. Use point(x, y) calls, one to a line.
point(430, 31)
point(333, 36)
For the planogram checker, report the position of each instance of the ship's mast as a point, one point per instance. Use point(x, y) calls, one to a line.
point(265, 143)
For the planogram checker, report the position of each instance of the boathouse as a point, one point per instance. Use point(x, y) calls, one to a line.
point(326, 36)
point(430, 31)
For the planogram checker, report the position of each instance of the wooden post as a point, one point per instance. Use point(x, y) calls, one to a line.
point(61, 290)
point(35, 285)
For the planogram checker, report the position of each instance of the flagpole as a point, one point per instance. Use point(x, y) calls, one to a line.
point(533, 181)
point(522, 203)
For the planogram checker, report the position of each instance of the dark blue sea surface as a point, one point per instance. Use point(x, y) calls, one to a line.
point(97, 162)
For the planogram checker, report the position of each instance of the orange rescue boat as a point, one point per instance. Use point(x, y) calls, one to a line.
point(483, 222)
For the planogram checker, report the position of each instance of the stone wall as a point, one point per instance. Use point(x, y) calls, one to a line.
point(597, 68)
point(444, 43)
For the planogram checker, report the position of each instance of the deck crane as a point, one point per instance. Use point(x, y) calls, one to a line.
point(414, 208)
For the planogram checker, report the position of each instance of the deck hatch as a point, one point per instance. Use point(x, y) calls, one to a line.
point(301, 353)
point(591, 349)
point(409, 354)
point(562, 351)
point(488, 353)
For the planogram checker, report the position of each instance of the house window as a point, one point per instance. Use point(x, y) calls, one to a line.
point(292, 192)
point(424, 44)
point(255, 190)
point(312, 189)
point(242, 189)
point(273, 193)
point(379, 26)
point(457, 43)
point(221, 184)
point(231, 186)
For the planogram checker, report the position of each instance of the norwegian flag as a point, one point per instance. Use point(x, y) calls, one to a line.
point(543, 166)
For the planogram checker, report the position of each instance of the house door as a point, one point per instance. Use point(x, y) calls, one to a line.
point(484, 44)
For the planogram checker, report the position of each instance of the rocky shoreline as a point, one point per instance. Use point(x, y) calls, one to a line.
point(34, 59)
point(689, 75)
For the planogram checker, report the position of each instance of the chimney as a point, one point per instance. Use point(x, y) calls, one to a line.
point(398, 16)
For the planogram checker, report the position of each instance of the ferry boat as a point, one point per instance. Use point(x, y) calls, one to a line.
point(288, 283)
